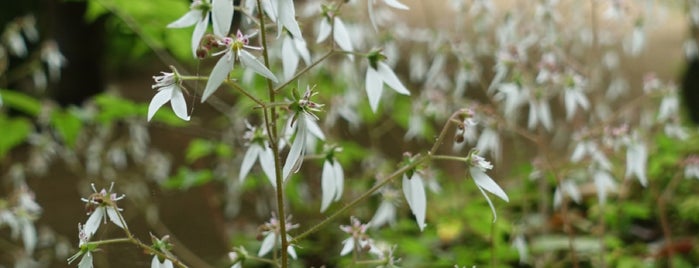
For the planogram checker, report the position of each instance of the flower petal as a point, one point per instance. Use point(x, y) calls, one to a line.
point(267, 162)
point(286, 16)
point(323, 30)
point(348, 246)
point(339, 179)
point(294, 157)
point(248, 160)
point(220, 72)
point(198, 33)
point(374, 87)
point(179, 104)
point(414, 191)
point(251, 62)
point(93, 222)
point(313, 127)
point(484, 181)
point(86, 261)
point(267, 244)
point(341, 36)
point(222, 11)
point(391, 79)
point(113, 216)
point(290, 58)
point(327, 185)
point(490, 203)
point(188, 19)
point(159, 100)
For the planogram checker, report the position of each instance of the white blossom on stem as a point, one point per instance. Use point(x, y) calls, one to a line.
point(636, 159)
point(477, 170)
point(85, 249)
point(392, 3)
point(293, 50)
point(566, 188)
point(332, 23)
point(170, 89)
point(102, 206)
point(691, 167)
point(414, 192)
point(305, 128)
point(604, 183)
point(358, 239)
point(258, 150)
point(332, 181)
point(378, 73)
point(272, 237)
point(233, 50)
point(386, 213)
point(155, 263)
point(221, 12)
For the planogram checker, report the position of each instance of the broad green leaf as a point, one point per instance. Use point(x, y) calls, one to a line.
point(14, 132)
point(68, 125)
point(197, 149)
point(20, 101)
point(187, 178)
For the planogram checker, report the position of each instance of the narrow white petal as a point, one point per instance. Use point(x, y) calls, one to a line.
point(341, 36)
point(267, 163)
point(220, 72)
point(179, 104)
point(295, 152)
point(484, 181)
point(386, 213)
point(323, 30)
point(414, 191)
point(313, 127)
point(190, 18)
point(339, 179)
point(155, 263)
point(348, 246)
point(287, 17)
point(113, 216)
point(490, 203)
point(222, 16)
point(569, 100)
point(290, 59)
point(159, 100)
point(636, 158)
point(248, 160)
point(251, 62)
point(86, 261)
point(531, 123)
point(604, 183)
point(198, 33)
point(327, 185)
point(396, 4)
point(267, 244)
point(29, 237)
point(93, 222)
point(372, 18)
point(374, 87)
point(391, 79)
point(302, 50)
point(291, 251)
point(545, 113)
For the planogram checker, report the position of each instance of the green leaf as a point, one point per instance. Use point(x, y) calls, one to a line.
point(68, 125)
point(15, 132)
point(197, 149)
point(187, 178)
point(20, 101)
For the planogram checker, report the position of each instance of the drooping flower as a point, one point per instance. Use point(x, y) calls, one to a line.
point(691, 167)
point(604, 183)
point(100, 206)
point(293, 50)
point(258, 150)
point(358, 238)
point(305, 128)
point(233, 50)
point(332, 179)
point(477, 170)
point(378, 73)
point(636, 159)
point(221, 12)
point(272, 237)
point(414, 191)
point(566, 188)
point(386, 213)
point(85, 249)
point(53, 58)
point(392, 3)
point(155, 263)
point(170, 89)
point(332, 23)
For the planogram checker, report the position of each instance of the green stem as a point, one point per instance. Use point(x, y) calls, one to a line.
point(246, 93)
point(305, 70)
point(271, 125)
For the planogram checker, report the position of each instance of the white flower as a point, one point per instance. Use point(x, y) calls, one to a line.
point(13, 39)
point(489, 141)
point(539, 113)
point(221, 12)
point(392, 3)
point(85, 250)
point(169, 88)
point(237, 262)
point(604, 183)
point(306, 130)
point(574, 97)
point(340, 34)
point(331, 182)
point(102, 205)
point(513, 96)
point(636, 159)
point(286, 17)
point(520, 244)
point(155, 263)
point(386, 213)
point(566, 188)
point(477, 170)
point(53, 59)
point(233, 49)
point(378, 73)
point(691, 167)
point(273, 239)
point(414, 191)
point(293, 49)
point(259, 149)
point(358, 238)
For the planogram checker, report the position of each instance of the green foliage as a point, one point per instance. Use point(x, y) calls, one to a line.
point(21, 102)
point(199, 148)
point(15, 132)
point(113, 108)
point(68, 124)
point(688, 209)
point(186, 178)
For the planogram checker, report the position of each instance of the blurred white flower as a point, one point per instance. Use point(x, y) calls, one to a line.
point(489, 141)
point(272, 237)
point(691, 167)
point(604, 183)
point(13, 40)
point(392, 3)
point(53, 59)
point(258, 150)
point(221, 12)
point(386, 213)
point(566, 188)
point(414, 192)
point(100, 206)
point(233, 50)
point(378, 73)
point(340, 34)
point(573, 96)
point(636, 159)
point(539, 113)
point(170, 89)
point(477, 170)
point(305, 129)
point(85, 250)
point(286, 18)
point(331, 182)
point(358, 239)
point(293, 49)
